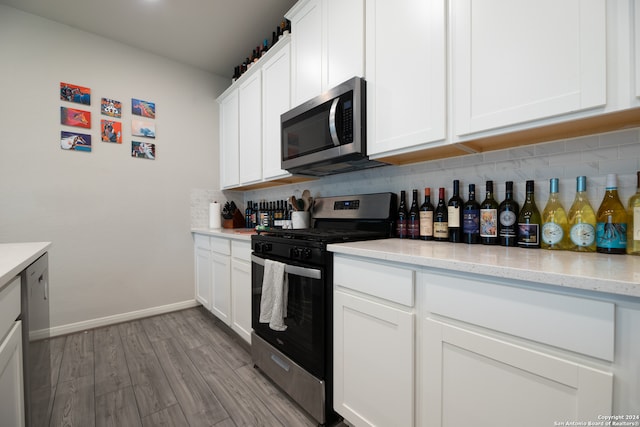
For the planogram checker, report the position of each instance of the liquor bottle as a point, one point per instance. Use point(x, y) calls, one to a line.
point(441, 219)
point(582, 220)
point(489, 217)
point(265, 47)
point(413, 220)
point(554, 220)
point(611, 221)
point(247, 216)
point(471, 218)
point(454, 212)
point(508, 218)
point(529, 221)
point(426, 216)
point(401, 224)
point(633, 218)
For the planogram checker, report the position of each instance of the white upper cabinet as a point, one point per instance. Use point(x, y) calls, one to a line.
point(327, 45)
point(250, 114)
point(405, 70)
point(516, 61)
point(276, 99)
point(229, 142)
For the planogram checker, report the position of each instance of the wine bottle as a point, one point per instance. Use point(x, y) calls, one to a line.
point(582, 220)
point(426, 216)
point(454, 213)
point(413, 220)
point(401, 224)
point(441, 219)
point(489, 217)
point(529, 221)
point(611, 221)
point(633, 218)
point(471, 218)
point(554, 221)
point(508, 218)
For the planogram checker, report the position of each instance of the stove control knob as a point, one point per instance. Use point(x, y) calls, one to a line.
point(262, 247)
point(305, 254)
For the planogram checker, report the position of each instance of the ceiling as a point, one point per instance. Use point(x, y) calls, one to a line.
point(212, 35)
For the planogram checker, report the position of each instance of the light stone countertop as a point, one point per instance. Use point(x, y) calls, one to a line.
point(15, 257)
point(229, 233)
point(615, 274)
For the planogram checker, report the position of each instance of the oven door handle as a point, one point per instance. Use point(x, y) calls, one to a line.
point(311, 273)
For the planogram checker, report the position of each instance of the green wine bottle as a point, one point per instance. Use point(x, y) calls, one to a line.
point(529, 221)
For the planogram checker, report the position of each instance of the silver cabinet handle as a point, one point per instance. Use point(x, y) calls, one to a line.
point(332, 122)
point(311, 273)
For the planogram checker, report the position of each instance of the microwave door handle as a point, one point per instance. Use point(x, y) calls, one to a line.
point(310, 273)
point(332, 122)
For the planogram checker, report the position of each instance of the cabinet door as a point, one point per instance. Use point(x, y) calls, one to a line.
point(518, 61)
point(250, 94)
point(229, 148)
point(343, 53)
point(241, 298)
point(473, 379)
point(405, 70)
point(276, 99)
point(373, 362)
point(306, 50)
point(203, 277)
point(11, 380)
point(221, 289)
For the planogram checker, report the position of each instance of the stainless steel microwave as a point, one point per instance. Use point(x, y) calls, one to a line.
point(327, 134)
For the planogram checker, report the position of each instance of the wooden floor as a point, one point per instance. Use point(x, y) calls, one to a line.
point(176, 369)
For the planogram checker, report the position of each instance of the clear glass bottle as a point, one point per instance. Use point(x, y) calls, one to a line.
point(633, 218)
point(611, 221)
point(529, 221)
point(582, 220)
point(554, 220)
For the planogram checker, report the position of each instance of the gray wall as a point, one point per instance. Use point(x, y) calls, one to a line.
point(119, 225)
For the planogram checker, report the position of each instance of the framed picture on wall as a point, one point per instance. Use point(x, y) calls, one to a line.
point(111, 131)
point(75, 93)
point(143, 150)
point(143, 128)
point(73, 117)
point(73, 141)
point(111, 108)
point(143, 108)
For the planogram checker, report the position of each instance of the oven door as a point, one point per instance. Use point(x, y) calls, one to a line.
point(304, 340)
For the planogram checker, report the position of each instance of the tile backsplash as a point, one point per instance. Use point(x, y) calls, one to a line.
point(594, 156)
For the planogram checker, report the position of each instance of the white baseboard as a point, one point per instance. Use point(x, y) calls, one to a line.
point(110, 320)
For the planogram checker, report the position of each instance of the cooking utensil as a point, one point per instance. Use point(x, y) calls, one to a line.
point(294, 203)
point(306, 198)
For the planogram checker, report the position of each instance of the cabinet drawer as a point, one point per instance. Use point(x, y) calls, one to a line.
point(9, 306)
point(220, 245)
point(241, 250)
point(576, 324)
point(202, 241)
point(386, 281)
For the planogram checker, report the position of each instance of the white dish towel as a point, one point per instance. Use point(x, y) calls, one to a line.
point(275, 289)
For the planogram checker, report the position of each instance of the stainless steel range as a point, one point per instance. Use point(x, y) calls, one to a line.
point(299, 358)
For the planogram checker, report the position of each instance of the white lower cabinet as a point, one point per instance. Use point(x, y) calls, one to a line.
point(373, 344)
point(11, 374)
point(471, 378)
point(223, 280)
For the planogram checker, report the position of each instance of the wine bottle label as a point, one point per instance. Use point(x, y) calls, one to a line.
point(413, 228)
point(454, 216)
point(508, 218)
point(401, 228)
point(488, 223)
point(636, 223)
point(552, 233)
point(528, 234)
point(611, 235)
point(582, 234)
point(441, 230)
point(471, 222)
point(426, 223)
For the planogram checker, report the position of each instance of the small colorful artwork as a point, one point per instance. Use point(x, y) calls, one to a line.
point(111, 108)
point(142, 128)
point(111, 131)
point(143, 150)
point(143, 108)
point(73, 117)
point(75, 141)
point(73, 93)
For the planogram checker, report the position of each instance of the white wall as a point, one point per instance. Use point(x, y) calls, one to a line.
point(119, 225)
